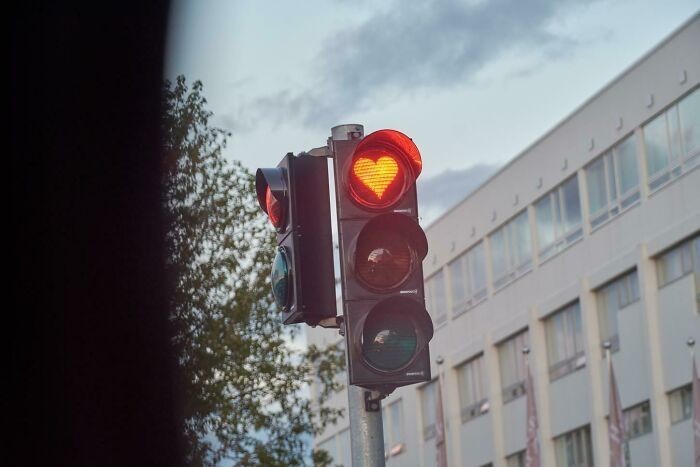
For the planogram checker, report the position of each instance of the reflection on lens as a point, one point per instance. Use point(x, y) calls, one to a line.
point(280, 279)
point(389, 339)
point(383, 257)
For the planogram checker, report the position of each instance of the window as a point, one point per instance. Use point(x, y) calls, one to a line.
point(511, 250)
point(565, 341)
point(558, 215)
point(468, 279)
point(574, 449)
point(512, 365)
point(393, 429)
point(516, 460)
point(612, 298)
point(613, 182)
point(637, 420)
point(427, 400)
point(681, 403)
point(472, 390)
point(672, 141)
point(678, 261)
point(435, 296)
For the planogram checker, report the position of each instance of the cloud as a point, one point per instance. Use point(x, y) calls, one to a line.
point(441, 192)
point(412, 47)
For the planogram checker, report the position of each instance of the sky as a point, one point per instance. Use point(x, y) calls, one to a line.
point(472, 82)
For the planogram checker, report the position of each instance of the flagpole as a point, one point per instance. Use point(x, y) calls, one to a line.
point(695, 395)
point(615, 405)
point(532, 448)
point(441, 438)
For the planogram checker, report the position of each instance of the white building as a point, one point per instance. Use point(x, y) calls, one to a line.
point(591, 234)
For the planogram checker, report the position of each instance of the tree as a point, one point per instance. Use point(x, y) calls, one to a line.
point(241, 383)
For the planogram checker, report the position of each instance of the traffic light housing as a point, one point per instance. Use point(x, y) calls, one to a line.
point(382, 248)
point(295, 197)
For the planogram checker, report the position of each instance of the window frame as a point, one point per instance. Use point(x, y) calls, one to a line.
point(513, 345)
point(686, 160)
point(431, 286)
point(562, 237)
point(612, 173)
point(514, 267)
point(470, 409)
point(627, 281)
point(428, 406)
point(571, 316)
point(562, 445)
point(687, 261)
point(466, 263)
point(645, 420)
point(684, 394)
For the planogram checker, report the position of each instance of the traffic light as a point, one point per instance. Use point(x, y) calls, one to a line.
point(295, 197)
point(381, 248)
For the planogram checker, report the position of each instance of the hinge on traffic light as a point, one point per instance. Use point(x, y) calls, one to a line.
point(373, 400)
point(334, 322)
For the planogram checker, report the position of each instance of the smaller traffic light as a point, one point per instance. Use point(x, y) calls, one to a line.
point(382, 248)
point(295, 197)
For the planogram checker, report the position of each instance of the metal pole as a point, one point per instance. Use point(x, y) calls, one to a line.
point(366, 430)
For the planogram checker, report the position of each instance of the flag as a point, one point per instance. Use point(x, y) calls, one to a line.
point(616, 423)
point(440, 446)
point(532, 450)
point(696, 413)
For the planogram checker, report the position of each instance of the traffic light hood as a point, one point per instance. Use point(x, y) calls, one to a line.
point(274, 179)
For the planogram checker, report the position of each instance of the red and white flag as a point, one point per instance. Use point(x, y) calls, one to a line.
point(532, 450)
point(696, 413)
point(616, 423)
point(440, 446)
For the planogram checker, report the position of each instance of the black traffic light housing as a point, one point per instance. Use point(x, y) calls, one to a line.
point(382, 247)
point(295, 196)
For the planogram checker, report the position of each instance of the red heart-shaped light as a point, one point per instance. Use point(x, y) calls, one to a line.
point(376, 175)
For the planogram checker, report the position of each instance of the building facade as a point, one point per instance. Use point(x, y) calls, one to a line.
point(590, 235)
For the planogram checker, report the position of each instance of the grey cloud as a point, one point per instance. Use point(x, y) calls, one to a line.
point(414, 46)
point(441, 192)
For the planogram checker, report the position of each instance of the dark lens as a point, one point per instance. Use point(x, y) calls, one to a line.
point(383, 259)
point(389, 339)
point(280, 279)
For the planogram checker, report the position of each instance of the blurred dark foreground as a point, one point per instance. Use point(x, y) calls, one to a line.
point(91, 369)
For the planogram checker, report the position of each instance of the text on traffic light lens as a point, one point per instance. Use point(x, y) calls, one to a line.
point(281, 279)
point(389, 339)
point(274, 209)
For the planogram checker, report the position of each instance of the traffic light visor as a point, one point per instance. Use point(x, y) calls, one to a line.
point(383, 166)
point(271, 189)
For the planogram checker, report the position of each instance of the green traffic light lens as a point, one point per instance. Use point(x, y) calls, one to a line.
point(389, 340)
point(281, 278)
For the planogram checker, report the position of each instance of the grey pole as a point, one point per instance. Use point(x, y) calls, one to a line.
point(366, 430)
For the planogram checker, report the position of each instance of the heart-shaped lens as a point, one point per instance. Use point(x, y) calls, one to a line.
point(376, 175)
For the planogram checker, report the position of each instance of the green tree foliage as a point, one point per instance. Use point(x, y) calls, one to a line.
point(241, 384)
